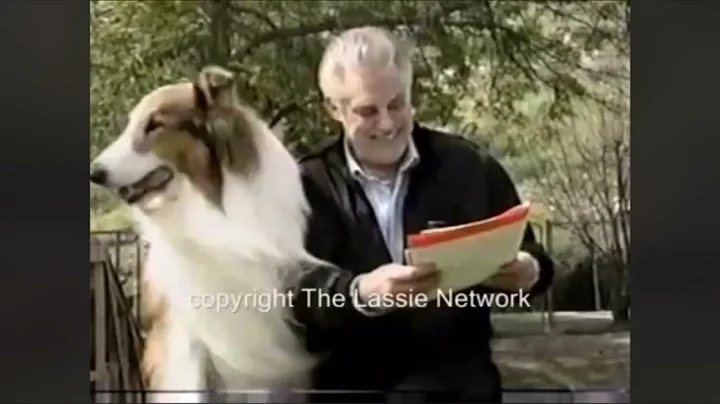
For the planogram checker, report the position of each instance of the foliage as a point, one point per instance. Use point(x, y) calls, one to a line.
point(116, 219)
point(511, 49)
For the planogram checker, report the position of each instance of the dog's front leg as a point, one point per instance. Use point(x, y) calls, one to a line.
point(181, 373)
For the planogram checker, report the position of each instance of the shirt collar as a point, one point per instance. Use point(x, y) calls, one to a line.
point(410, 159)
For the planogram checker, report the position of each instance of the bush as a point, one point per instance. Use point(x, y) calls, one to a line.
point(116, 219)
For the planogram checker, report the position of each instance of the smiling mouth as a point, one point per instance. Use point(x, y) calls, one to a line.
point(155, 181)
point(388, 136)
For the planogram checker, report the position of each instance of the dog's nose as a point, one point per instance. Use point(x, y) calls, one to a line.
point(98, 175)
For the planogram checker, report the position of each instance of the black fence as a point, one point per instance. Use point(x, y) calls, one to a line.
point(114, 300)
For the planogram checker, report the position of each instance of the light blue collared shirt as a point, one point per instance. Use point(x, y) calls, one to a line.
point(387, 197)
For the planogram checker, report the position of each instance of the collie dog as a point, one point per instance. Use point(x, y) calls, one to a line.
point(220, 201)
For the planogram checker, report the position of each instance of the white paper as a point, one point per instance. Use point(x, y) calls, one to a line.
point(470, 260)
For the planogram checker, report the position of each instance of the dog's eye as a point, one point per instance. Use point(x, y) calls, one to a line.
point(152, 124)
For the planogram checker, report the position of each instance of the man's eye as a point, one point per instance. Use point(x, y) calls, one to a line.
point(152, 124)
point(366, 112)
point(396, 104)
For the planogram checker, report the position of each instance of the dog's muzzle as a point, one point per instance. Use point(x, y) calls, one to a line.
point(154, 181)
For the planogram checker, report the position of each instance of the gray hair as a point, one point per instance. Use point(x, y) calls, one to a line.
point(364, 48)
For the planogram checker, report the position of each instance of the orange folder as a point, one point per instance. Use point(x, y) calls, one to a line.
point(470, 253)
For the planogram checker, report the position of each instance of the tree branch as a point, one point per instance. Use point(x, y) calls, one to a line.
point(291, 107)
point(238, 9)
point(332, 23)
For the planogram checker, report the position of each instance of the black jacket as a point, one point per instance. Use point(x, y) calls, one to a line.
point(455, 182)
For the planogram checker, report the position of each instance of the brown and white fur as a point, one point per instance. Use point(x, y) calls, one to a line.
point(220, 201)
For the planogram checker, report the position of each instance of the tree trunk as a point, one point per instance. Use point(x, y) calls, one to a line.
point(549, 325)
point(217, 49)
point(596, 281)
point(621, 297)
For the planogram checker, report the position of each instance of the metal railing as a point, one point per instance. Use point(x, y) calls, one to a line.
point(115, 331)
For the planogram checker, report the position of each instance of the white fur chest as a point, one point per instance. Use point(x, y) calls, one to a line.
point(235, 310)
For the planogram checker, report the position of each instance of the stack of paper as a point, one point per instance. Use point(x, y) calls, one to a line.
point(468, 254)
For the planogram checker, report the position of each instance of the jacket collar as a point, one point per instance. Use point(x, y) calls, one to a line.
point(419, 156)
point(409, 159)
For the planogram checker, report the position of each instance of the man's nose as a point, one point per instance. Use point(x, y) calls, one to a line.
point(384, 121)
point(98, 175)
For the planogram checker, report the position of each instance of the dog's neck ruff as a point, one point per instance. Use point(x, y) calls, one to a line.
point(198, 251)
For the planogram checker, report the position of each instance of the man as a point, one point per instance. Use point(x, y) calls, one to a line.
point(384, 178)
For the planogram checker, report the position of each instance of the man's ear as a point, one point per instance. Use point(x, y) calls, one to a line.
point(333, 109)
point(214, 87)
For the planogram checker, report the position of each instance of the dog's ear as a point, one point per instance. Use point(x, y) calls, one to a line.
point(214, 87)
point(227, 120)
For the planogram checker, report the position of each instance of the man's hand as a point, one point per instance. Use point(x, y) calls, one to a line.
point(394, 279)
point(521, 273)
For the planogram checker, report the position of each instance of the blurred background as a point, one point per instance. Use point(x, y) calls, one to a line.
point(544, 85)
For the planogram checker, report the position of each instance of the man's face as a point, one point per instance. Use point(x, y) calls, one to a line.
point(377, 117)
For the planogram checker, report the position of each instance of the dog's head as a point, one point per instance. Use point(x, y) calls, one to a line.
point(179, 134)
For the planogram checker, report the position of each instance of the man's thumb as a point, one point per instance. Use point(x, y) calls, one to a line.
point(402, 273)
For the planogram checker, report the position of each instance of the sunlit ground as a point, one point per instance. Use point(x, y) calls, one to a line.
point(579, 355)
